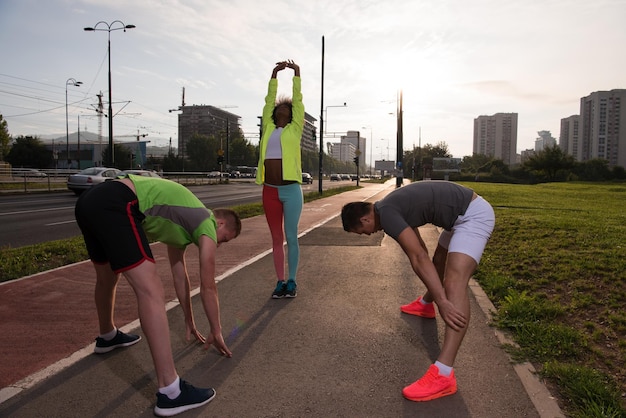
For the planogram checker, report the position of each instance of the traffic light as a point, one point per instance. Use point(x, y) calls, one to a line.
point(356, 160)
point(220, 159)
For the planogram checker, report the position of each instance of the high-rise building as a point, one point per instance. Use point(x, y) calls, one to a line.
point(359, 143)
point(569, 141)
point(603, 127)
point(342, 151)
point(309, 134)
point(545, 140)
point(496, 136)
point(206, 120)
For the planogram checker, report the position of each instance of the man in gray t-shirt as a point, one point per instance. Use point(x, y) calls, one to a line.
point(467, 221)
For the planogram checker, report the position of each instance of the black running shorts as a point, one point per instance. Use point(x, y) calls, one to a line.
point(109, 218)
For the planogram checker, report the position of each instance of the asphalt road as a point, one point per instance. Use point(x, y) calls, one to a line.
point(33, 218)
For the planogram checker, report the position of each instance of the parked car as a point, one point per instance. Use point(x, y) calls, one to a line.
point(214, 174)
point(345, 177)
point(89, 177)
point(335, 177)
point(307, 178)
point(145, 173)
point(27, 172)
point(235, 174)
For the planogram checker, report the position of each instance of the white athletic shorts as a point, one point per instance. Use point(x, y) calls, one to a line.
point(471, 231)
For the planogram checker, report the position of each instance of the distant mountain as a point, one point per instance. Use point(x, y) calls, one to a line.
point(93, 138)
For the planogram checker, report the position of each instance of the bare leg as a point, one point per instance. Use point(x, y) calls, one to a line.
point(459, 269)
point(151, 303)
point(439, 260)
point(104, 296)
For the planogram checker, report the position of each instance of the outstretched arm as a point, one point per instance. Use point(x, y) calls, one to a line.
point(295, 67)
point(411, 243)
point(279, 67)
point(208, 293)
point(183, 289)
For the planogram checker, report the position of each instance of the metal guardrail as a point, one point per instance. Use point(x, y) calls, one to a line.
point(16, 180)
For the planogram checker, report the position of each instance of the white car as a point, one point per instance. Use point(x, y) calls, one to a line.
point(27, 172)
point(137, 172)
point(87, 178)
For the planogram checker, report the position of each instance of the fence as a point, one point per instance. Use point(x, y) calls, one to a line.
point(33, 180)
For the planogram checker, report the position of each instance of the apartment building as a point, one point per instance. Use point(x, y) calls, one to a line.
point(206, 120)
point(603, 127)
point(545, 140)
point(309, 134)
point(569, 140)
point(496, 136)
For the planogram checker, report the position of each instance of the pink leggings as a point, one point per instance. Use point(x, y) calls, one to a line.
point(284, 203)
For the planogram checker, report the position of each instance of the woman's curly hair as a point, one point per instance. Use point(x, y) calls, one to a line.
point(282, 101)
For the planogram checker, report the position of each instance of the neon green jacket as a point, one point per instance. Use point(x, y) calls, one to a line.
point(291, 136)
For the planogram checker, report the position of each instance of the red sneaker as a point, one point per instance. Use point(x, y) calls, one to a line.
point(430, 386)
point(418, 308)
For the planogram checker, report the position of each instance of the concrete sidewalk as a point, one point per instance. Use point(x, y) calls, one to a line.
point(341, 348)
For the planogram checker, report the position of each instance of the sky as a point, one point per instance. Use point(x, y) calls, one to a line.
point(450, 60)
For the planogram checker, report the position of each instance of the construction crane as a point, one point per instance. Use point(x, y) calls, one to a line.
point(132, 136)
point(182, 103)
point(179, 108)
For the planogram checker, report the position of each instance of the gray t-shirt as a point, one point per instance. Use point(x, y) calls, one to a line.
point(425, 202)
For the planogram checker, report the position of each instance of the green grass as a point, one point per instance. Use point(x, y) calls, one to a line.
point(555, 268)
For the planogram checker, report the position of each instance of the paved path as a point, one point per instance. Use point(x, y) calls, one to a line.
point(341, 348)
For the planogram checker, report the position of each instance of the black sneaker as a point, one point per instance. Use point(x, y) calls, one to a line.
point(279, 292)
point(190, 397)
point(120, 340)
point(291, 290)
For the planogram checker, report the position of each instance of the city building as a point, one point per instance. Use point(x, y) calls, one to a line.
point(569, 137)
point(496, 136)
point(309, 134)
point(526, 154)
point(602, 126)
point(345, 153)
point(545, 140)
point(86, 148)
point(207, 120)
point(342, 151)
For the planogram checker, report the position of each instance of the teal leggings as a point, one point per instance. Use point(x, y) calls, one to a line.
point(284, 203)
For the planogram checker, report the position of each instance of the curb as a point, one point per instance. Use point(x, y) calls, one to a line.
point(544, 402)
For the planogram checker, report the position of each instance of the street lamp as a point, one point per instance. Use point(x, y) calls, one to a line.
point(371, 146)
point(109, 28)
point(326, 115)
point(73, 82)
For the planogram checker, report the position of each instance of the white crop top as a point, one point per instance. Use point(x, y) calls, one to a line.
point(274, 149)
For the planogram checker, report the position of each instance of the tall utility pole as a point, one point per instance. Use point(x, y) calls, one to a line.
point(108, 29)
point(73, 82)
point(399, 141)
point(321, 159)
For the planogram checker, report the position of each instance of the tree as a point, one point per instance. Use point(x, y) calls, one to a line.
point(202, 153)
point(596, 169)
point(242, 152)
point(416, 158)
point(5, 139)
point(122, 155)
point(28, 151)
point(550, 161)
point(477, 163)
